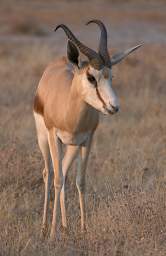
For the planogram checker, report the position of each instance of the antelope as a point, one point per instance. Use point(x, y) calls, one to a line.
point(69, 98)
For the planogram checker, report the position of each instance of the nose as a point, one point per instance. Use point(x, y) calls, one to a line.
point(115, 108)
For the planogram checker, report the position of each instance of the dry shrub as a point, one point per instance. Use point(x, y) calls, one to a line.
point(28, 27)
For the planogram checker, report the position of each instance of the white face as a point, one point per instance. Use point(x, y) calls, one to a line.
point(97, 90)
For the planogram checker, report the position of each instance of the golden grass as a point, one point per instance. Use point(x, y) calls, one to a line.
point(126, 192)
point(126, 209)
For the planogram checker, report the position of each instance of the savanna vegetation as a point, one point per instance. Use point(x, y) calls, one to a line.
point(126, 180)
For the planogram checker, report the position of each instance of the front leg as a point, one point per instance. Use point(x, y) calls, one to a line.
point(56, 154)
point(80, 178)
point(71, 153)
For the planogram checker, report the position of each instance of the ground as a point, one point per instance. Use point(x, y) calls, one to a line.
point(126, 180)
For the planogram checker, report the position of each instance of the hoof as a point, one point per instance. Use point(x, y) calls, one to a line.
point(83, 230)
point(64, 230)
point(53, 237)
point(44, 231)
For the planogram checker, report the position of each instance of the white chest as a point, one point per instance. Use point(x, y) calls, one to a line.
point(73, 139)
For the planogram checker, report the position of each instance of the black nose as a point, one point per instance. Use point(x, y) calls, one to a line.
point(115, 108)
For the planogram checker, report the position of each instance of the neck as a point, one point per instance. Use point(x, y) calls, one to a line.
point(80, 116)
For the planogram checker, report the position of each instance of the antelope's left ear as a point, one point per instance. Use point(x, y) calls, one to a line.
point(116, 58)
point(72, 53)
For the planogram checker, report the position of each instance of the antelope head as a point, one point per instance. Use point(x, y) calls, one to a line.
point(95, 75)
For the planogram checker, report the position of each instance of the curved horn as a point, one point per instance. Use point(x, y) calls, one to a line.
point(103, 50)
point(94, 58)
point(116, 58)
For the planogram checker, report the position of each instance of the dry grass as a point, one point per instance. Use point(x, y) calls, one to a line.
point(126, 192)
point(126, 212)
point(39, 17)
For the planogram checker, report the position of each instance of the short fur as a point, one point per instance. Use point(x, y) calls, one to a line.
point(59, 102)
point(66, 110)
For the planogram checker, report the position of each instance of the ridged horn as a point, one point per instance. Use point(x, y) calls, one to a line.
point(116, 58)
point(94, 58)
point(103, 50)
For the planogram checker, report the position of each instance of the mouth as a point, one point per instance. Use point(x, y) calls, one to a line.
point(108, 111)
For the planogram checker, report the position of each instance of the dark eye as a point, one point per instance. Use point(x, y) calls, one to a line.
point(91, 79)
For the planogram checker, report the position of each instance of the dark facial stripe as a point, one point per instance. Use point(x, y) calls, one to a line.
point(92, 80)
point(100, 97)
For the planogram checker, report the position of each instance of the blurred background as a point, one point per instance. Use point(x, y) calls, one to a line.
point(126, 181)
point(127, 21)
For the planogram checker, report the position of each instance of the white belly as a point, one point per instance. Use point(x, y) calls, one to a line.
point(72, 139)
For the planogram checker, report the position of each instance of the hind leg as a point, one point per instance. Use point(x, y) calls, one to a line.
point(47, 182)
point(44, 147)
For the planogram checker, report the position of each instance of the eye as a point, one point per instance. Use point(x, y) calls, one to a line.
point(91, 79)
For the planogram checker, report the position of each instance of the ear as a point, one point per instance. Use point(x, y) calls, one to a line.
point(116, 58)
point(72, 53)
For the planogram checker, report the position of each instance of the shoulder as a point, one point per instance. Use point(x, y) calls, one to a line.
point(58, 67)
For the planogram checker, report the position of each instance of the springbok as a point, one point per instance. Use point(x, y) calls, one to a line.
point(70, 95)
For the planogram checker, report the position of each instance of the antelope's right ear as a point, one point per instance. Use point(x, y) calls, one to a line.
point(72, 53)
